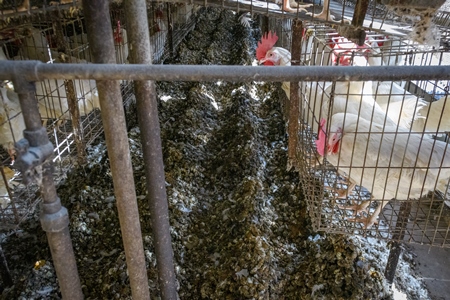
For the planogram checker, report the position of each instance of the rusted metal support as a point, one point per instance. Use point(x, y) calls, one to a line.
point(34, 162)
point(360, 12)
point(294, 108)
point(356, 32)
point(36, 71)
point(147, 110)
point(113, 117)
point(413, 3)
point(397, 237)
point(264, 23)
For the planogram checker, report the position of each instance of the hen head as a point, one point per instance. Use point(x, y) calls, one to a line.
point(263, 51)
point(118, 34)
point(273, 58)
point(347, 53)
point(333, 142)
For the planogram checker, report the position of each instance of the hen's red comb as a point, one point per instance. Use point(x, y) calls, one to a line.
point(320, 142)
point(266, 43)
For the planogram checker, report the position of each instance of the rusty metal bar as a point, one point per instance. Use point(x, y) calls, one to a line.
point(413, 3)
point(264, 20)
point(399, 234)
point(147, 110)
point(360, 12)
point(294, 112)
point(36, 71)
point(101, 40)
point(356, 32)
point(35, 163)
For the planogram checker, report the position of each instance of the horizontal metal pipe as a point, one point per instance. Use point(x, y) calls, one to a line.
point(36, 71)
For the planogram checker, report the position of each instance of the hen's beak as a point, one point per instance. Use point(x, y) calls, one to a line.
point(260, 62)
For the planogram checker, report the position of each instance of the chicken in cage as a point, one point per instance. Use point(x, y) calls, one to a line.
point(12, 120)
point(70, 109)
point(340, 199)
point(371, 142)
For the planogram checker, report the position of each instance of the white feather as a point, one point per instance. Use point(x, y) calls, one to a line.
point(391, 162)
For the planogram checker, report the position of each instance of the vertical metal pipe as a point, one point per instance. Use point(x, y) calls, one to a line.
point(53, 216)
point(294, 112)
point(100, 36)
point(264, 21)
point(399, 234)
point(58, 236)
point(147, 109)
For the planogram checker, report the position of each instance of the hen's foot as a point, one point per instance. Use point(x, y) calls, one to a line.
point(359, 208)
point(366, 221)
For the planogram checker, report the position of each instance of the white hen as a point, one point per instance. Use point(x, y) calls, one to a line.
point(121, 44)
point(158, 34)
point(12, 123)
point(436, 117)
point(269, 55)
point(51, 94)
point(354, 97)
point(53, 102)
point(391, 162)
point(400, 105)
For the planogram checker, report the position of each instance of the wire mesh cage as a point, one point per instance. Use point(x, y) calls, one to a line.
point(364, 144)
point(70, 109)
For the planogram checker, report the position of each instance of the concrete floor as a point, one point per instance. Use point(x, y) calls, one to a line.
point(433, 266)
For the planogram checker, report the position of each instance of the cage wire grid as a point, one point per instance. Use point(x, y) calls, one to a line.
point(429, 216)
point(58, 35)
point(319, 178)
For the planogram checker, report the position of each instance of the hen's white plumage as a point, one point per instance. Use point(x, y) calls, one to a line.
point(354, 97)
point(51, 94)
point(12, 123)
point(158, 34)
point(391, 162)
point(413, 112)
point(436, 117)
point(121, 44)
point(400, 105)
point(53, 102)
point(35, 46)
point(267, 54)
